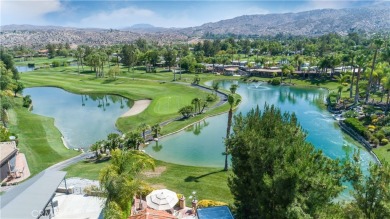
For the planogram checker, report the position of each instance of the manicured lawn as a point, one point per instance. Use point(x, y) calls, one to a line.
point(85, 169)
point(38, 138)
point(383, 152)
point(167, 98)
point(209, 183)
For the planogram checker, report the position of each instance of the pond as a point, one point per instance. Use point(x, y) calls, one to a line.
point(82, 119)
point(202, 144)
point(24, 68)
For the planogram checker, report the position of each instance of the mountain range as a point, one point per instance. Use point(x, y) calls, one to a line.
point(310, 23)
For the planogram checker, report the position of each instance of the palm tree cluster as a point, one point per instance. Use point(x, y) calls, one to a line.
point(130, 141)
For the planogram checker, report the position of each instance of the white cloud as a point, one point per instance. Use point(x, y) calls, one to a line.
point(27, 11)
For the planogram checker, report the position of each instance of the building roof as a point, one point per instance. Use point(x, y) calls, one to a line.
point(7, 150)
point(29, 198)
point(152, 214)
point(219, 212)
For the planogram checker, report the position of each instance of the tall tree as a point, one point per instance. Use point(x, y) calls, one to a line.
point(276, 173)
point(170, 58)
point(233, 101)
point(120, 180)
point(143, 128)
point(377, 45)
point(129, 55)
point(371, 192)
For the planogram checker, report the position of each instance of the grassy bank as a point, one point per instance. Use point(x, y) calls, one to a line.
point(209, 183)
point(38, 138)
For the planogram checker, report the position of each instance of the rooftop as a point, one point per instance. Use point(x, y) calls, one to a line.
point(7, 149)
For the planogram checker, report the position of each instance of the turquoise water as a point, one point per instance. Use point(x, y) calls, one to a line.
point(202, 144)
point(82, 119)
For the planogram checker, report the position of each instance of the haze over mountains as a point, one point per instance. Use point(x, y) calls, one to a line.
point(310, 23)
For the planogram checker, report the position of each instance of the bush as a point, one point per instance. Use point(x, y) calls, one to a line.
point(92, 190)
point(386, 131)
point(357, 126)
point(27, 101)
point(332, 99)
point(375, 141)
point(210, 203)
point(146, 190)
point(275, 81)
point(384, 141)
point(379, 135)
point(211, 98)
point(371, 128)
point(55, 64)
point(350, 114)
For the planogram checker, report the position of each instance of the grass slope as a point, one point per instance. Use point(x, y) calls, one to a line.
point(38, 138)
point(209, 183)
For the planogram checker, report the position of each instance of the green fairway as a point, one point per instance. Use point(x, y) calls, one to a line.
point(167, 98)
point(170, 104)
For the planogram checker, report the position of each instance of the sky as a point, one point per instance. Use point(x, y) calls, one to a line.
point(172, 13)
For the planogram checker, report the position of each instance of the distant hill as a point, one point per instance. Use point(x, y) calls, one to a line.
point(145, 28)
point(309, 23)
point(142, 26)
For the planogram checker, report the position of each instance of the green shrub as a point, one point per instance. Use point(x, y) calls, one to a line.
point(92, 190)
point(350, 114)
point(211, 98)
point(386, 131)
point(357, 126)
point(384, 141)
point(55, 64)
point(379, 135)
point(375, 141)
point(275, 81)
point(27, 101)
point(209, 203)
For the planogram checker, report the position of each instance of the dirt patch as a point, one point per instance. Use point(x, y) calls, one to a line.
point(157, 172)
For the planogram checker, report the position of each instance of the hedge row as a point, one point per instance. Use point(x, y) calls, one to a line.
point(358, 127)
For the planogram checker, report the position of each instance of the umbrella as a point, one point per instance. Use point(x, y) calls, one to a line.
point(162, 199)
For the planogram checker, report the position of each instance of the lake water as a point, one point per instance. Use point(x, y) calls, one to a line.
point(82, 119)
point(24, 68)
point(202, 144)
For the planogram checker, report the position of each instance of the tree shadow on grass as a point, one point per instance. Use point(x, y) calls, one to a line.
point(196, 178)
point(318, 81)
point(108, 81)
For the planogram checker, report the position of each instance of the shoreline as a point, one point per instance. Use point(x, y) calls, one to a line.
point(138, 107)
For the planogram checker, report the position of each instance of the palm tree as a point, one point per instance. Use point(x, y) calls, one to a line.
point(156, 129)
point(377, 45)
point(196, 102)
point(232, 102)
point(386, 86)
point(133, 140)
point(360, 61)
point(143, 128)
point(215, 86)
point(352, 55)
point(121, 179)
point(233, 88)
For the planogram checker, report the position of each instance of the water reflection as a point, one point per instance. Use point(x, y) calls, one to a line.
point(202, 145)
point(82, 119)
